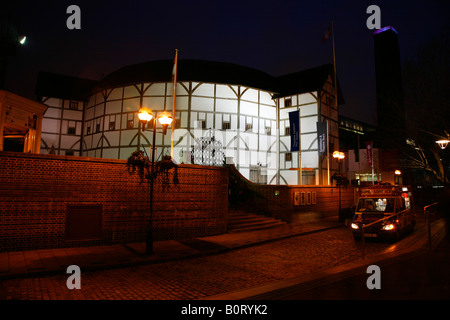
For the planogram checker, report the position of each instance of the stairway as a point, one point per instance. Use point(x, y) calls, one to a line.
point(241, 221)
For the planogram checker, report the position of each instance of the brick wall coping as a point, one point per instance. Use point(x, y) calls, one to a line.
point(11, 154)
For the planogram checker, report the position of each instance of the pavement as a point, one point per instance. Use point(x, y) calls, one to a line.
point(43, 262)
point(414, 268)
point(30, 263)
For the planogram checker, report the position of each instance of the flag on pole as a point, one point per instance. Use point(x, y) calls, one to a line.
point(325, 37)
point(327, 34)
point(174, 70)
point(294, 117)
point(369, 146)
point(322, 137)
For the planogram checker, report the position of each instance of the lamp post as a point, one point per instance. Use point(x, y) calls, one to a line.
point(443, 144)
point(338, 155)
point(397, 174)
point(145, 115)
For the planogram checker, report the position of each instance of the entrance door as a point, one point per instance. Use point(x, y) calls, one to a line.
point(13, 144)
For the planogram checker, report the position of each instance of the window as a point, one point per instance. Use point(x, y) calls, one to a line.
point(88, 130)
point(201, 124)
point(287, 131)
point(130, 124)
point(97, 128)
point(112, 125)
point(248, 127)
point(71, 130)
point(226, 125)
point(288, 156)
point(73, 105)
point(69, 153)
point(268, 131)
point(287, 102)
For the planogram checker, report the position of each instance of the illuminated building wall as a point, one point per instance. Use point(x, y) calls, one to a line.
point(242, 118)
point(61, 126)
point(313, 106)
point(245, 109)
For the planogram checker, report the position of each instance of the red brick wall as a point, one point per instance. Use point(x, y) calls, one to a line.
point(278, 200)
point(35, 191)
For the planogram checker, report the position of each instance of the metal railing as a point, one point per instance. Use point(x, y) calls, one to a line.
point(370, 224)
point(426, 211)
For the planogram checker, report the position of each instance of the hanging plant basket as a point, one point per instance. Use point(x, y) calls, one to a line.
point(139, 163)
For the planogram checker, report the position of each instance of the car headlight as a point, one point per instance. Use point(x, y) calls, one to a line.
point(388, 226)
point(354, 226)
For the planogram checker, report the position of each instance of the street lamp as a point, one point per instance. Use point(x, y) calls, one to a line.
point(165, 119)
point(338, 155)
point(145, 115)
point(22, 40)
point(443, 144)
point(397, 174)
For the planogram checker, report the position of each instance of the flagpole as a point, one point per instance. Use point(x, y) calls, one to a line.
point(300, 148)
point(359, 164)
point(328, 153)
point(325, 38)
point(174, 101)
point(334, 65)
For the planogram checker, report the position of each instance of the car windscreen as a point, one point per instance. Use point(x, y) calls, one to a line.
point(376, 205)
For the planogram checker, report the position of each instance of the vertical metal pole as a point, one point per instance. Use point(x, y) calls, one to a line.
point(363, 241)
point(334, 67)
point(175, 71)
point(373, 173)
point(359, 165)
point(340, 181)
point(427, 213)
point(149, 240)
point(328, 153)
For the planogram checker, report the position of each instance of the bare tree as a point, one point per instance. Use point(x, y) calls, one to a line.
point(427, 101)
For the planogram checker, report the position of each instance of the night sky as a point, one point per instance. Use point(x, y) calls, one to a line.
point(277, 37)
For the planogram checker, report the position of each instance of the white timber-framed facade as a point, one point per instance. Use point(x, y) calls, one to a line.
point(245, 109)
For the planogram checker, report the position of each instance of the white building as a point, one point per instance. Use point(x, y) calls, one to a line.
point(245, 109)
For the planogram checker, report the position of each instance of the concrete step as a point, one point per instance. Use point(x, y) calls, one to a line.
point(250, 223)
point(246, 219)
point(260, 227)
point(241, 221)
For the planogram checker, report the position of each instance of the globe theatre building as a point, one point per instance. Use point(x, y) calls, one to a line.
point(245, 110)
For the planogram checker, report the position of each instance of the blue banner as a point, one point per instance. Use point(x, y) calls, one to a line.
point(322, 137)
point(294, 121)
